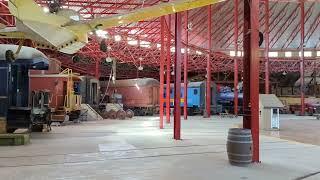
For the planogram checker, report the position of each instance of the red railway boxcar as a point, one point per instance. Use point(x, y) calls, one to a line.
point(140, 95)
point(57, 85)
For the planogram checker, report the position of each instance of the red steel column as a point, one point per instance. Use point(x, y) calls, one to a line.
point(208, 85)
point(177, 80)
point(236, 64)
point(251, 72)
point(302, 89)
point(162, 56)
point(254, 78)
point(185, 71)
point(246, 65)
point(266, 52)
point(168, 70)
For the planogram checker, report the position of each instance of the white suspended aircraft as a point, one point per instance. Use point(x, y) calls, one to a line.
point(64, 31)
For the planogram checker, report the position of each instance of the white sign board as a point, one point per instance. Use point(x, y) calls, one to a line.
point(275, 118)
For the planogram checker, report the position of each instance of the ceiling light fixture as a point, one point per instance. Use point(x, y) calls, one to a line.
point(140, 68)
point(117, 38)
point(101, 33)
point(46, 9)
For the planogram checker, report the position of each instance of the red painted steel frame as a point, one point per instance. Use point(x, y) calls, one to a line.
point(168, 69)
point(185, 71)
point(254, 77)
point(302, 89)
point(246, 66)
point(236, 64)
point(251, 73)
point(162, 57)
point(283, 27)
point(177, 78)
point(266, 53)
point(208, 85)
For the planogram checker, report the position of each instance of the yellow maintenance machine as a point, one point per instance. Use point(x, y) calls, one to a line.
point(72, 99)
point(66, 98)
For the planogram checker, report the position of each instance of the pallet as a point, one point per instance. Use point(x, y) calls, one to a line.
point(3, 125)
point(14, 139)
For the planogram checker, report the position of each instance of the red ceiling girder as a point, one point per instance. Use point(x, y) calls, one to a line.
point(222, 35)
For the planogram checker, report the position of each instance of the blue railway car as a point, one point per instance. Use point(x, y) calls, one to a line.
point(196, 97)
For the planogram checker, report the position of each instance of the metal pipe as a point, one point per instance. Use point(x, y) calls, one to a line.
point(185, 71)
point(302, 88)
point(236, 64)
point(177, 73)
point(97, 75)
point(162, 56)
point(208, 85)
point(168, 70)
point(266, 53)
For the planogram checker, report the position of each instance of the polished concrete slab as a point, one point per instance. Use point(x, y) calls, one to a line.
point(136, 149)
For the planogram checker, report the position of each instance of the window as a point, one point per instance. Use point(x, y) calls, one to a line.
point(273, 54)
point(195, 91)
point(288, 54)
point(306, 54)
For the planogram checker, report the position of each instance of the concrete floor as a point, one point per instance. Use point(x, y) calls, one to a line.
point(303, 129)
point(137, 150)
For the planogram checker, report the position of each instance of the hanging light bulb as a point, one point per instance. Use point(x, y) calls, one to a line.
point(284, 73)
point(108, 59)
point(140, 68)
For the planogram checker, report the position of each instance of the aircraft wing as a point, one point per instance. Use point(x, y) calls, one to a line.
point(29, 10)
point(146, 13)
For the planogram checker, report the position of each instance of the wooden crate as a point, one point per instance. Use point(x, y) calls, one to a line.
point(286, 91)
point(3, 125)
point(296, 91)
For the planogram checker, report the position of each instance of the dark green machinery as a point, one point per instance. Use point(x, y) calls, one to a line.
point(40, 112)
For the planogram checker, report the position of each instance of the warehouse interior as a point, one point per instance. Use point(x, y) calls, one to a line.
point(152, 89)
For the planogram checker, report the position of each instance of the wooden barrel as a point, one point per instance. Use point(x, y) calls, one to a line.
point(239, 146)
